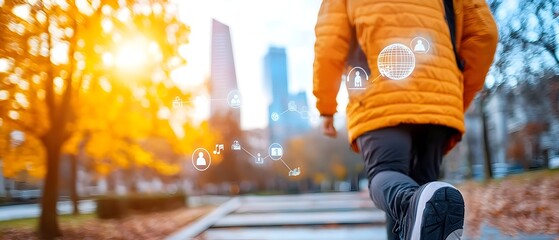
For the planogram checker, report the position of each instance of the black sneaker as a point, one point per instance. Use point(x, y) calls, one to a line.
point(436, 212)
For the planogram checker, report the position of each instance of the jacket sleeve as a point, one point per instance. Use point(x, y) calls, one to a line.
point(478, 46)
point(333, 37)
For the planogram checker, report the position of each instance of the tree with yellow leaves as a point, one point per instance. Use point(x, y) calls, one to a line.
point(95, 73)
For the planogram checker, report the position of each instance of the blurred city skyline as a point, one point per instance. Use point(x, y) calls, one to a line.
point(251, 41)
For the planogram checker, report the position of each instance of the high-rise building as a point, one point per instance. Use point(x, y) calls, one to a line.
point(289, 122)
point(223, 75)
point(275, 70)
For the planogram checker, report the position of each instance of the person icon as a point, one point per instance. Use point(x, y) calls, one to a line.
point(357, 81)
point(235, 101)
point(259, 159)
point(177, 103)
point(201, 161)
point(292, 106)
point(419, 47)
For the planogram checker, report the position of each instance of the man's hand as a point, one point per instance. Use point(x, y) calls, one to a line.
point(328, 126)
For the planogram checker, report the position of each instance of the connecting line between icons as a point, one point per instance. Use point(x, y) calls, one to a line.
point(376, 78)
point(361, 88)
point(284, 112)
point(286, 165)
point(253, 155)
point(300, 112)
point(248, 152)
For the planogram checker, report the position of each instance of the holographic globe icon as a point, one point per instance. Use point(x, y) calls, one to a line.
point(396, 61)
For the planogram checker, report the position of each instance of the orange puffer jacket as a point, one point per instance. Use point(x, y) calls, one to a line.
point(436, 92)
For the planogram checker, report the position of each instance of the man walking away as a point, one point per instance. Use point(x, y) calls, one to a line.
point(402, 128)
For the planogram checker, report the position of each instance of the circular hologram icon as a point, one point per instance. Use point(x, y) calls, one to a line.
point(234, 99)
point(396, 61)
point(275, 116)
point(292, 106)
point(357, 79)
point(275, 151)
point(420, 45)
point(201, 159)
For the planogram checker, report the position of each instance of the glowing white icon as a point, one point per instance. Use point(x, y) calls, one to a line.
point(357, 82)
point(275, 151)
point(218, 148)
point(234, 99)
point(177, 103)
point(396, 61)
point(420, 45)
point(356, 79)
point(259, 159)
point(292, 106)
point(201, 159)
point(294, 172)
point(275, 116)
point(236, 146)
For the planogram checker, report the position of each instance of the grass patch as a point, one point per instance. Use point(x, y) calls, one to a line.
point(138, 226)
point(27, 223)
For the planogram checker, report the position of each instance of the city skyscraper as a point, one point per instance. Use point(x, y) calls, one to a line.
point(275, 70)
point(291, 121)
point(223, 76)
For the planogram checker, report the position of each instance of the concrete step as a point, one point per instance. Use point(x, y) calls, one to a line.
point(307, 205)
point(308, 197)
point(299, 218)
point(366, 232)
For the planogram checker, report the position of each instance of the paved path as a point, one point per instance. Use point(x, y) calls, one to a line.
point(333, 216)
point(308, 216)
point(87, 206)
point(33, 210)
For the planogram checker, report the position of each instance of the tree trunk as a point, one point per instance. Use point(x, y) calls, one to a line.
point(470, 158)
point(545, 156)
point(8, 190)
point(486, 148)
point(48, 221)
point(111, 183)
point(130, 179)
point(56, 135)
point(73, 184)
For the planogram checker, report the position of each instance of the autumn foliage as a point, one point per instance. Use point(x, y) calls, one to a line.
point(92, 80)
point(520, 204)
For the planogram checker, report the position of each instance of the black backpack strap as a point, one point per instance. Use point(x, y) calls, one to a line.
point(357, 57)
point(451, 22)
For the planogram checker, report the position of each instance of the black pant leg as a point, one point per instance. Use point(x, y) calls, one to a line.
point(428, 146)
point(386, 149)
point(387, 154)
